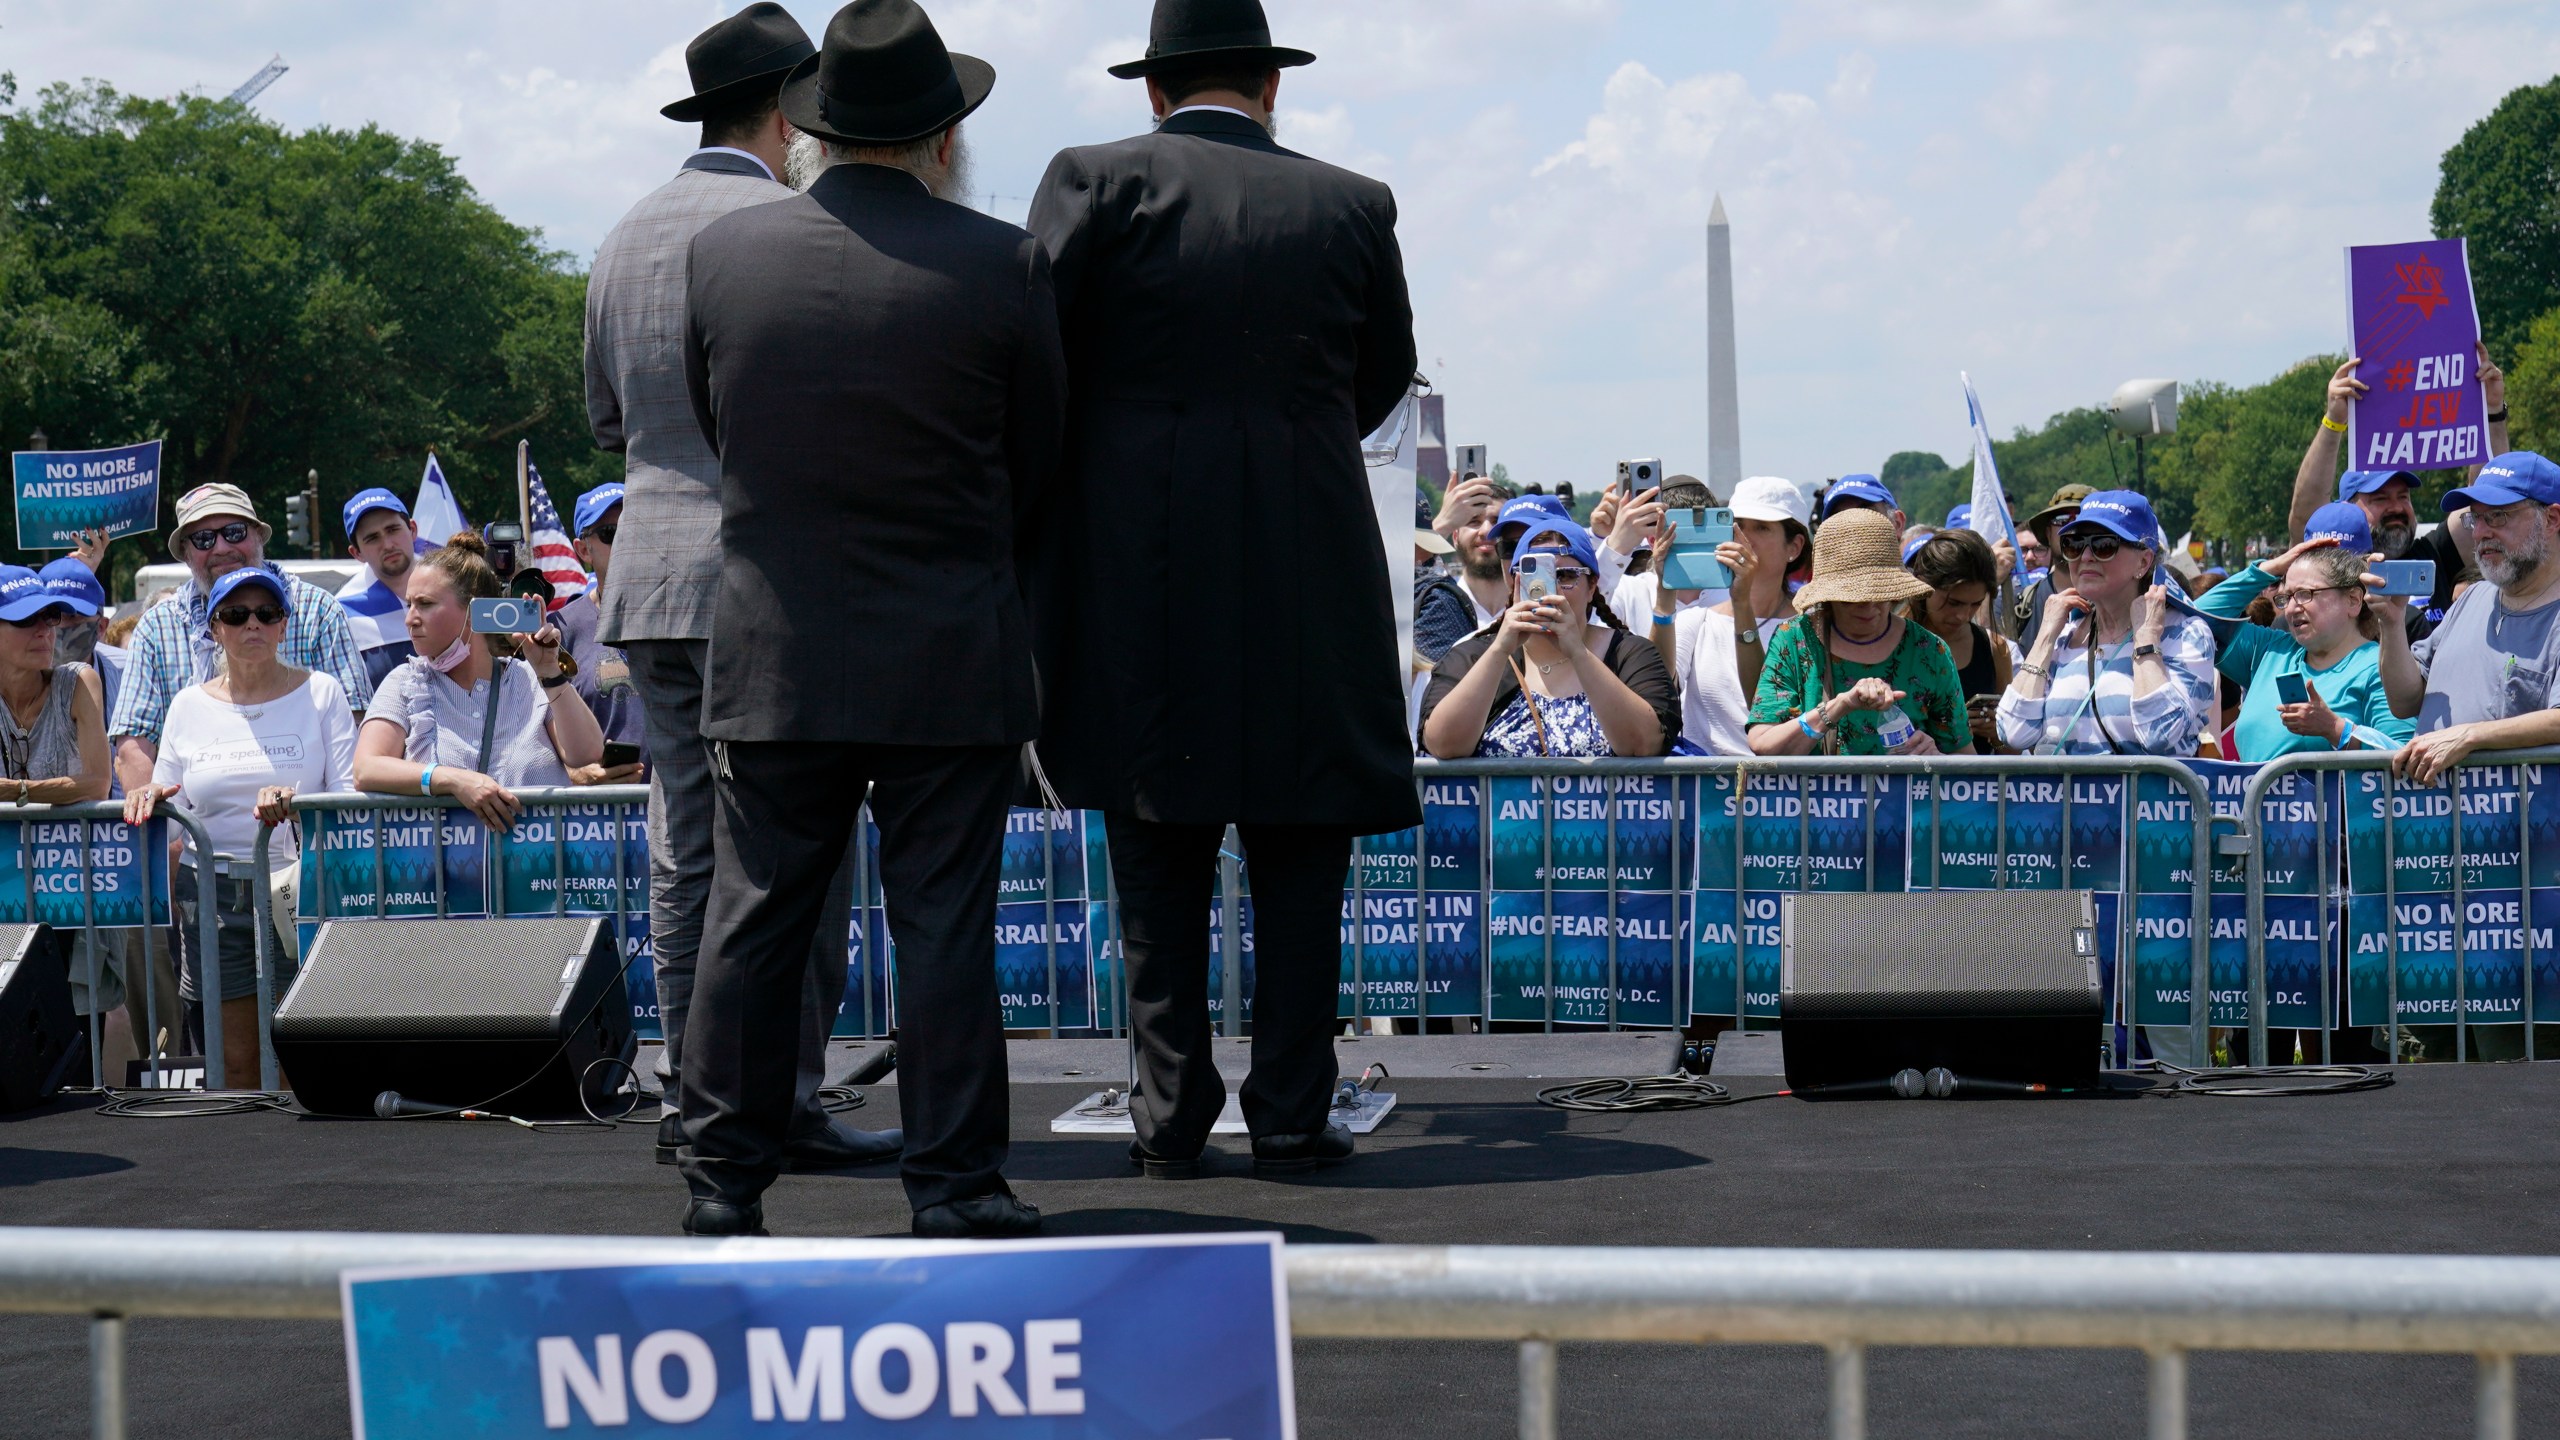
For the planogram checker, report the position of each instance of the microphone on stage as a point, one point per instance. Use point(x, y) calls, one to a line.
point(1945, 1084)
point(389, 1105)
point(1909, 1084)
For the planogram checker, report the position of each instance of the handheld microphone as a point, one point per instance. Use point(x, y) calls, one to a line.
point(390, 1105)
point(1945, 1084)
point(1908, 1084)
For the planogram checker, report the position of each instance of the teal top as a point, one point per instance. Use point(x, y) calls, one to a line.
point(2254, 655)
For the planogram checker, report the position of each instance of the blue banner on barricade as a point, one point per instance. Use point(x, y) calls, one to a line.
point(1152, 1336)
point(121, 884)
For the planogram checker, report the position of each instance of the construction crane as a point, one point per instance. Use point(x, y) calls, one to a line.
point(256, 84)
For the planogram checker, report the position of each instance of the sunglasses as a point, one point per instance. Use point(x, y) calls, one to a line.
point(231, 534)
point(2098, 547)
point(236, 615)
point(602, 534)
point(42, 619)
point(1572, 575)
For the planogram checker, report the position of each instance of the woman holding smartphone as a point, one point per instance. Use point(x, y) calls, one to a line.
point(422, 734)
point(1556, 674)
point(2314, 677)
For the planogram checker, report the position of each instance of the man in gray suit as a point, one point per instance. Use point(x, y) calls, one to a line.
point(666, 561)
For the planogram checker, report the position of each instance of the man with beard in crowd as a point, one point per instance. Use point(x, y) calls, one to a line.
point(2384, 495)
point(1468, 517)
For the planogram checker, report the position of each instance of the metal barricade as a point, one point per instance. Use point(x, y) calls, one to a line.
point(1844, 1301)
point(89, 816)
point(1936, 769)
point(2336, 894)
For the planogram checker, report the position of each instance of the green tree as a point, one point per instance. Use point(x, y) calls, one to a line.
point(273, 302)
point(2500, 190)
point(2533, 388)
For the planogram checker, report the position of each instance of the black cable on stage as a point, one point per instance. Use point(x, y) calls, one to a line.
point(2274, 1081)
point(187, 1104)
point(1625, 1093)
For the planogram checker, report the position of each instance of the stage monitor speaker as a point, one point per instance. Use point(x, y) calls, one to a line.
point(1991, 984)
point(504, 1015)
point(39, 1037)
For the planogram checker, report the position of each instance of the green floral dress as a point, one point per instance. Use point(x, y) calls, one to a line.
point(1792, 683)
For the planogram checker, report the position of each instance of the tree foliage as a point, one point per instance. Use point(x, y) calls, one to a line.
point(2533, 388)
point(2500, 190)
point(274, 302)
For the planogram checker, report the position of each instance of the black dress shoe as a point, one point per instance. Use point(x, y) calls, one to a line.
point(1159, 1167)
point(836, 1146)
point(670, 1137)
point(1294, 1154)
point(723, 1217)
point(1000, 1216)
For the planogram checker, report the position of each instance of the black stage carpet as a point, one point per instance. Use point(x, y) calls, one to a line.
point(2448, 1161)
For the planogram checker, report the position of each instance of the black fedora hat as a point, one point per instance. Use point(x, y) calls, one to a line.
point(883, 78)
point(1186, 30)
point(756, 46)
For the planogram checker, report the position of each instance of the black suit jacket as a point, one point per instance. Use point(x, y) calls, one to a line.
point(1216, 615)
point(880, 374)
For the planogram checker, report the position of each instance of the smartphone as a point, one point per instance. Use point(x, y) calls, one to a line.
point(1538, 577)
point(506, 615)
point(2406, 577)
point(1981, 705)
point(1470, 459)
point(2292, 689)
point(620, 752)
point(1691, 563)
point(1637, 476)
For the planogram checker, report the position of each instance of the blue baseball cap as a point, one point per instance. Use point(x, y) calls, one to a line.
point(2365, 482)
point(2515, 476)
point(1577, 543)
point(2344, 522)
point(376, 498)
point(1857, 487)
point(592, 506)
point(75, 585)
point(22, 593)
point(1959, 517)
point(2121, 513)
point(224, 588)
point(1524, 509)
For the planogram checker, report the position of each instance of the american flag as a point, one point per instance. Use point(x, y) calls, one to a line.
point(553, 555)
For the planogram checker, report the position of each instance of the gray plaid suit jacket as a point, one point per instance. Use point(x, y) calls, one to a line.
point(666, 555)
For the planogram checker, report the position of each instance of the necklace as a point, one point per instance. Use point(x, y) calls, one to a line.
point(1849, 639)
point(1551, 667)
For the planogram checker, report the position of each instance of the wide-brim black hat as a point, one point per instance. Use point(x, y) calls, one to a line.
point(752, 49)
point(1184, 31)
point(883, 78)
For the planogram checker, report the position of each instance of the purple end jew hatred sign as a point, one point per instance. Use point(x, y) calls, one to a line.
point(2416, 336)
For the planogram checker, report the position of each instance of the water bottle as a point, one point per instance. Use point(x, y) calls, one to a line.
point(1893, 728)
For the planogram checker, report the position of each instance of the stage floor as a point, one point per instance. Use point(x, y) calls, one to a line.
point(2450, 1160)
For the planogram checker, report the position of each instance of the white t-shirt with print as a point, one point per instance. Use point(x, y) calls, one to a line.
point(220, 755)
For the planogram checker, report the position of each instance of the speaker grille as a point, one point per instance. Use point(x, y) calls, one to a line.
point(1984, 952)
point(446, 979)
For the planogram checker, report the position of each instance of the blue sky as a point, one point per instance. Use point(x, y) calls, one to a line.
point(2053, 197)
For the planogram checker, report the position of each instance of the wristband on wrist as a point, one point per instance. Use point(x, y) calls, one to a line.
point(1661, 619)
point(427, 780)
point(2497, 416)
point(1804, 722)
point(2328, 424)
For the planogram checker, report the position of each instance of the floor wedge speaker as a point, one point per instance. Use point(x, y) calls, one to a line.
point(37, 1031)
point(1990, 984)
point(505, 1015)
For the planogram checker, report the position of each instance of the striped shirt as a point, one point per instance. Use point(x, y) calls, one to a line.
point(2067, 721)
point(173, 648)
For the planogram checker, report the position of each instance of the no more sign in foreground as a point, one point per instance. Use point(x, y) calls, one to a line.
point(1180, 1337)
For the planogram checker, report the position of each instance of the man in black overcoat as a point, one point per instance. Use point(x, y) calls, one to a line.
point(878, 368)
point(1215, 612)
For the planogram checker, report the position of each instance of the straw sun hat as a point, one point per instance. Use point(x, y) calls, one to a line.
point(1857, 559)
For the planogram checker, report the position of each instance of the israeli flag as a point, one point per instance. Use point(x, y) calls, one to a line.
point(1990, 517)
point(437, 513)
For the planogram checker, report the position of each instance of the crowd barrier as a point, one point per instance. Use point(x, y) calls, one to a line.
point(2165, 1305)
point(2300, 896)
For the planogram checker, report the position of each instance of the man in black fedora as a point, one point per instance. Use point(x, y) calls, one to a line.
point(879, 367)
point(1216, 614)
point(667, 552)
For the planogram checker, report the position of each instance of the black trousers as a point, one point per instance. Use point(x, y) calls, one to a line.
point(1167, 876)
point(784, 819)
